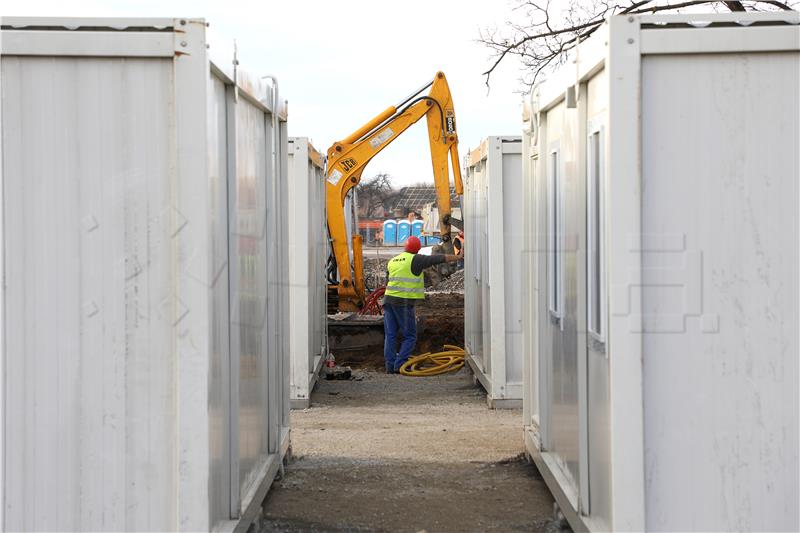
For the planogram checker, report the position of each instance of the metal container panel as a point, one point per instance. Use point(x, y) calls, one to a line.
point(720, 306)
point(220, 370)
point(694, 383)
point(248, 285)
point(124, 355)
point(530, 268)
point(277, 405)
point(558, 335)
point(89, 366)
point(598, 413)
point(493, 216)
point(474, 224)
point(307, 257)
point(282, 423)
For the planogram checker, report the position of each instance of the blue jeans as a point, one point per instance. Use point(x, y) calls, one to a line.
point(398, 319)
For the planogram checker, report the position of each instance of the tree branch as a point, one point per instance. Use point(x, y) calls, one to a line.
point(519, 43)
point(550, 32)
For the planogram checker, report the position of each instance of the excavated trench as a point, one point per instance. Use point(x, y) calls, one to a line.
point(440, 320)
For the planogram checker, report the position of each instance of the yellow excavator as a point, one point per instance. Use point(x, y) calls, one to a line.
point(348, 158)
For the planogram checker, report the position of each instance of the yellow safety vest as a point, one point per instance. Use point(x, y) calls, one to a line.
point(402, 282)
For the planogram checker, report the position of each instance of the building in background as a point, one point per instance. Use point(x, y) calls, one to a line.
point(420, 200)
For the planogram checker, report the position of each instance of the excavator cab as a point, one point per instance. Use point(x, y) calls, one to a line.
point(348, 158)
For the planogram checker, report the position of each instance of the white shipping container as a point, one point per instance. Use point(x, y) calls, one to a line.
point(307, 256)
point(661, 378)
point(145, 376)
point(493, 224)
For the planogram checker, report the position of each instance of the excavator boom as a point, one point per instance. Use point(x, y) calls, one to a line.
point(348, 158)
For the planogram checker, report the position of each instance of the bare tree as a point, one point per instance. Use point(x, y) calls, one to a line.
point(549, 28)
point(375, 193)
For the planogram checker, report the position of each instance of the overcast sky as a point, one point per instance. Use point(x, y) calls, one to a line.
point(339, 63)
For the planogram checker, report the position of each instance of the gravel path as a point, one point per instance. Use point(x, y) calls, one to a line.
point(391, 453)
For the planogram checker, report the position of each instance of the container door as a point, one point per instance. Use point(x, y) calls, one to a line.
point(221, 407)
point(389, 233)
point(560, 401)
point(472, 293)
point(596, 498)
point(403, 232)
point(485, 274)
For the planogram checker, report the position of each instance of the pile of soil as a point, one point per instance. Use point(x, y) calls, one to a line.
point(440, 321)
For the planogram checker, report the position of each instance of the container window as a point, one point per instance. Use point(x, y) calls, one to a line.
point(595, 217)
point(475, 218)
point(554, 235)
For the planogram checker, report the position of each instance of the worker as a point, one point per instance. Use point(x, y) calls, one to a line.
point(404, 288)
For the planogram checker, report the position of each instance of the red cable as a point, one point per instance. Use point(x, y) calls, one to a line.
point(372, 304)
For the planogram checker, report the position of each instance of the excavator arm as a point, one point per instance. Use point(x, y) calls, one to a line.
point(348, 158)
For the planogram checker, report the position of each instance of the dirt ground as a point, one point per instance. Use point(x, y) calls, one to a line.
point(440, 320)
point(392, 453)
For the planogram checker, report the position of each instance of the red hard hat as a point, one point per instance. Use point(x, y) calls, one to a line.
point(413, 245)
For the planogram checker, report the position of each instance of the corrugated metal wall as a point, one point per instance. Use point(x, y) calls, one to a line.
point(307, 257)
point(90, 397)
point(145, 378)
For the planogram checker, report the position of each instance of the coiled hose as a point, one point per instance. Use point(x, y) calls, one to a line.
point(434, 364)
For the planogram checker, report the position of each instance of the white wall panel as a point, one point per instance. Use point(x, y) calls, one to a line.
point(493, 214)
point(720, 304)
point(682, 414)
point(135, 191)
point(307, 257)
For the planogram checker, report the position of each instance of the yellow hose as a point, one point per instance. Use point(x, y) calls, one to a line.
point(433, 364)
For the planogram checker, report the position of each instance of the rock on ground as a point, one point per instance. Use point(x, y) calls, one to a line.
point(453, 283)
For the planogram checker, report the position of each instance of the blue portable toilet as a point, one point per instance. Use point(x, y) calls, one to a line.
point(389, 232)
point(432, 240)
point(416, 228)
point(403, 231)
